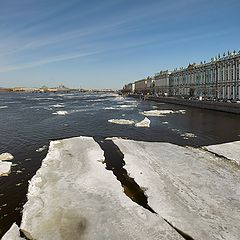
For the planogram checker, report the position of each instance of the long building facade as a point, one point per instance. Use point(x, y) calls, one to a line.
point(217, 79)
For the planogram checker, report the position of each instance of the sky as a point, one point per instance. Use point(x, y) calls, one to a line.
point(108, 43)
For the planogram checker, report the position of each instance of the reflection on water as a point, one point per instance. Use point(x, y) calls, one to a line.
point(27, 123)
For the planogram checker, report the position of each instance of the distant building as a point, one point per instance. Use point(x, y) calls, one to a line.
point(129, 88)
point(141, 86)
point(217, 79)
point(162, 83)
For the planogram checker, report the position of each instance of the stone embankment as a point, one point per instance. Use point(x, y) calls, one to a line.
point(211, 105)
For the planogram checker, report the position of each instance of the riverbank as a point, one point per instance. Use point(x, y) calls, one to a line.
point(210, 105)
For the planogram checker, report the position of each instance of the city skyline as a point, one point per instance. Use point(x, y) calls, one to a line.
point(92, 45)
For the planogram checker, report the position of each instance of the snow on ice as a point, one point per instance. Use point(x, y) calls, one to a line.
point(73, 196)
point(229, 150)
point(193, 190)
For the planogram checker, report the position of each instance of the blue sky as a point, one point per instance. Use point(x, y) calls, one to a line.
point(107, 43)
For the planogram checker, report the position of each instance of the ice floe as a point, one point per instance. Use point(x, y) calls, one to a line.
point(5, 168)
point(41, 148)
point(144, 123)
point(58, 105)
point(153, 113)
point(2, 107)
point(61, 113)
point(192, 189)
point(13, 233)
point(164, 112)
point(121, 121)
point(188, 135)
point(229, 150)
point(6, 156)
point(73, 196)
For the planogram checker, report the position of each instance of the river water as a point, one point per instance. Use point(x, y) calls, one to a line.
point(28, 121)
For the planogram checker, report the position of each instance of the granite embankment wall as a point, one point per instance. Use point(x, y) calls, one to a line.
point(216, 106)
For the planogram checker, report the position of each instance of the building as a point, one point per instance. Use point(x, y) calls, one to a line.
point(217, 79)
point(162, 83)
point(141, 86)
point(129, 88)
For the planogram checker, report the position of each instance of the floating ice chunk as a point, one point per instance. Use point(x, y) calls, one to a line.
point(5, 168)
point(6, 156)
point(2, 107)
point(73, 196)
point(58, 105)
point(41, 148)
point(153, 113)
point(195, 191)
point(229, 150)
point(61, 113)
point(13, 233)
point(118, 98)
point(188, 135)
point(121, 121)
point(127, 106)
point(181, 111)
point(144, 123)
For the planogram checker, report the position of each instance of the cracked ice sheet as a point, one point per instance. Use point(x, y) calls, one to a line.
point(229, 150)
point(195, 191)
point(73, 196)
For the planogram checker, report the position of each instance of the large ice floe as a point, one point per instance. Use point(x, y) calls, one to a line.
point(121, 121)
point(73, 196)
point(230, 150)
point(144, 123)
point(13, 233)
point(164, 112)
point(195, 191)
point(5, 167)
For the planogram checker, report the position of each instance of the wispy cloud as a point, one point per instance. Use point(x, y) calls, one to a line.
point(45, 61)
